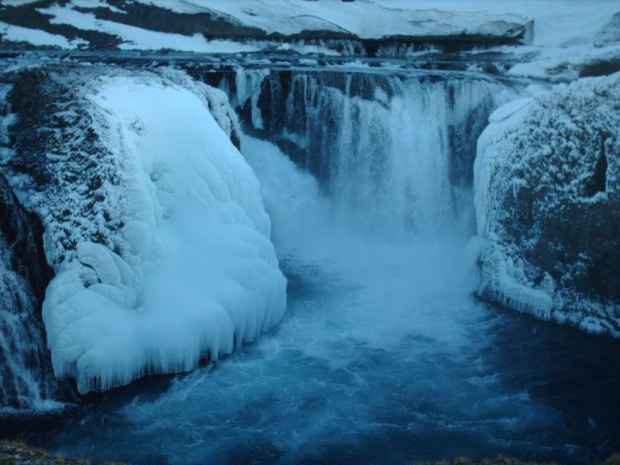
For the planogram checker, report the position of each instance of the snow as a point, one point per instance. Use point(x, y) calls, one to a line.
point(506, 116)
point(566, 34)
point(500, 280)
point(17, 2)
point(560, 36)
point(556, 22)
point(96, 4)
point(36, 37)
point(496, 277)
point(562, 64)
point(197, 274)
point(135, 38)
point(366, 19)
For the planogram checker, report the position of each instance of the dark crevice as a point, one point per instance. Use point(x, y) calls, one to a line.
point(598, 182)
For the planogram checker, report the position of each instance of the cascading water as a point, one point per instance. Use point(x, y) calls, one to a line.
point(26, 379)
point(393, 153)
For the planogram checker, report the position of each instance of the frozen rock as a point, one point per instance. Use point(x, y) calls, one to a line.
point(547, 181)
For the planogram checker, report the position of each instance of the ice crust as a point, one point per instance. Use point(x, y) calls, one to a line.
point(196, 272)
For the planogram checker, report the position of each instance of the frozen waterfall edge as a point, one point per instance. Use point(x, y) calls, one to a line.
point(153, 221)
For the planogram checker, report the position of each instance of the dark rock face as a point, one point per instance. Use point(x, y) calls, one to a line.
point(309, 105)
point(56, 147)
point(26, 376)
point(553, 203)
point(24, 232)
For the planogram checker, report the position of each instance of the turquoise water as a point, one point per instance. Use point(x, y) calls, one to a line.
point(383, 359)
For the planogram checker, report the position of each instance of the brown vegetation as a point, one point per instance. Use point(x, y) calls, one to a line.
point(501, 460)
point(18, 453)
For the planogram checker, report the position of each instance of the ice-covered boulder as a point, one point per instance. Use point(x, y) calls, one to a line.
point(547, 181)
point(154, 223)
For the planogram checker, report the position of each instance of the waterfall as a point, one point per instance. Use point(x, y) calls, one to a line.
point(395, 153)
point(26, 378)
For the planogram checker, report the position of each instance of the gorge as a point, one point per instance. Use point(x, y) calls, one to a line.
point(276, 257)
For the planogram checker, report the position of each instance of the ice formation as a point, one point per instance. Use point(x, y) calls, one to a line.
point(547, 205)
point(176, 264)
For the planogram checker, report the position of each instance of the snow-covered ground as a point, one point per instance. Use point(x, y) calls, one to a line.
point(556, 23)
point(559, 36)
point(35, 37)
point(368, 19)
point(135, 38)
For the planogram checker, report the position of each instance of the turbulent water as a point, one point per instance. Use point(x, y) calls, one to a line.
point(383, 356)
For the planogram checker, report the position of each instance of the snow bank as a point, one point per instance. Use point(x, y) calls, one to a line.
point(547, 184)
point(189, 272)
point(135, 38)
point(35, 37)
